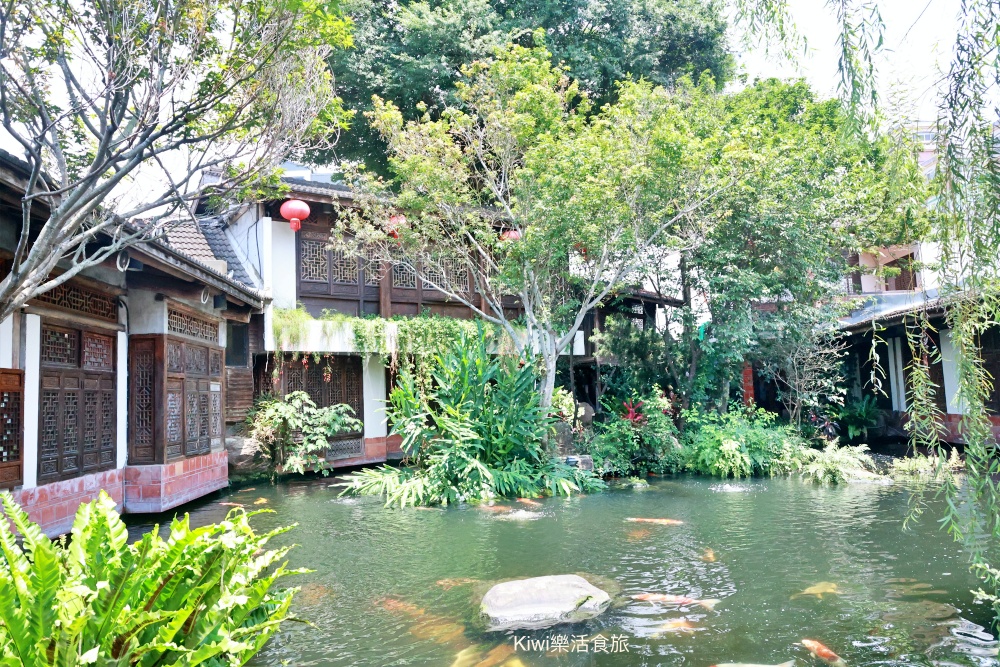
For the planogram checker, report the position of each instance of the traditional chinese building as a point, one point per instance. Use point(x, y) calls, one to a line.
point(116, 379)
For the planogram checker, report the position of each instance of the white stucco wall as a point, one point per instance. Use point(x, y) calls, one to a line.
point(373, 387)
point(279, 263)
point(121, 456)
point(950, 357)
point(32, 392)
point(897, 379)
point(146, 315)
point(7, 342)
point(244, 234)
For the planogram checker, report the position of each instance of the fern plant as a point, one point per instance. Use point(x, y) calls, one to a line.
point(202, 596)
point(835, 465)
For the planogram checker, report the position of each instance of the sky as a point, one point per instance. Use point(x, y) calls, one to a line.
point(919, 35)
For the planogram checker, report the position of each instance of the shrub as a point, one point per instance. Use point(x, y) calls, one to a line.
point(477, 433)
point(201, 597)
point(291, 433)
point(642, 439)
point(857, 416)
point(833, 464)
point(921, 465)
point(741, 443)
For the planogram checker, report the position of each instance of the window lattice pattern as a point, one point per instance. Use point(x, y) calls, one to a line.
point(141, 433)
point(174, 417)
point(48, 450)
point(98, 352)
point(90, 427)
point(449, 273)
point(403, 276)
point(314, 265)
point(345, 268)
point(82, 300)
point(109, 427)
point(192, 325)
point(10, 426)
point(215, 362)
point(345, 449)
point(372, 268)
point(60, 346)
point(216, 414)
point(70, 442)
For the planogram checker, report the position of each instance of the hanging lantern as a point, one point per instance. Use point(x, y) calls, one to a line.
point(294, 211)
point(510, 235)
point(395, 222)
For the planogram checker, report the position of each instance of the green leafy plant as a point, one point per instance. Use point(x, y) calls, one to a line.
point(834, 464)
point(857, 416)
point(741, 442)
point(921, 465)
point(627, 445)
point(202, 596)
point(475, 433)
point(292, 434)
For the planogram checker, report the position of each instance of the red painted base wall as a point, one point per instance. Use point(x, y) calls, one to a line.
point(157, 488)
point(53, 506)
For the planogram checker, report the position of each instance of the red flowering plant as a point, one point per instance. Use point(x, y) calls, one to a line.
point(632, 412)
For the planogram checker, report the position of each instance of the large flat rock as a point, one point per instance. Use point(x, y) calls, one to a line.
point(541, 602)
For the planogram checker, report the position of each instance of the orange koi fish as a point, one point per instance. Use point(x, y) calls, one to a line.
point(398, 606)
point(678, 625)
point(658, 522)
point(451, 583)
point(823, 653)
point(708, 556)
point(679, 600)
point(529, 501)
point(493, 508)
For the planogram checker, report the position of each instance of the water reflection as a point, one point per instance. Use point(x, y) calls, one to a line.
point(786, 560)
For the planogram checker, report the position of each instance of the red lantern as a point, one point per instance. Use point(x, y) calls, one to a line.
point(395, 222)
point(510, 235)
point(295, 211)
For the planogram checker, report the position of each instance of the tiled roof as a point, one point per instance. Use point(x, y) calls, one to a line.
point(205, 240)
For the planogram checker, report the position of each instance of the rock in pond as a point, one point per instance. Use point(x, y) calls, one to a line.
point(541, 602)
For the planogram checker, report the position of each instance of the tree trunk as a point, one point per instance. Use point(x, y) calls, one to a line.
point(550, 356)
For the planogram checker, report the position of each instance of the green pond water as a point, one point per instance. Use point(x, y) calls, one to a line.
point(380, 595)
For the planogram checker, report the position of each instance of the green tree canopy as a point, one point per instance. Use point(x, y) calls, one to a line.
point(410, 53)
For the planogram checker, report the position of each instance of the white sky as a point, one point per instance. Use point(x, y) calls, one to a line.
point(919, 36)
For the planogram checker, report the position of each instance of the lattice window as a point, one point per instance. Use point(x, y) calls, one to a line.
point(175, 357)
point(70, 431)
point(314, 266)
point(60, 346)
point(215, 363)
point(372, 268)
point(345, 449)
point(90, 421)
point(141, 395)
point(48, 449)
point(216, 414)
point(344, 268)
point(98, 352)
point(109, 428)
point(191, 412)
point(294, 380)
point(82, 300)
point(174, 417)
point(192, 325)
point(196, 360)
point(11, 427)
point(403, 276)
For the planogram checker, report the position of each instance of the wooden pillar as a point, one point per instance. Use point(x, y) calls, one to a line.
point(748, 393)
point(385, 291)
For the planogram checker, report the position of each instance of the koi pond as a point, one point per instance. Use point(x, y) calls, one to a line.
point(786, 560)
